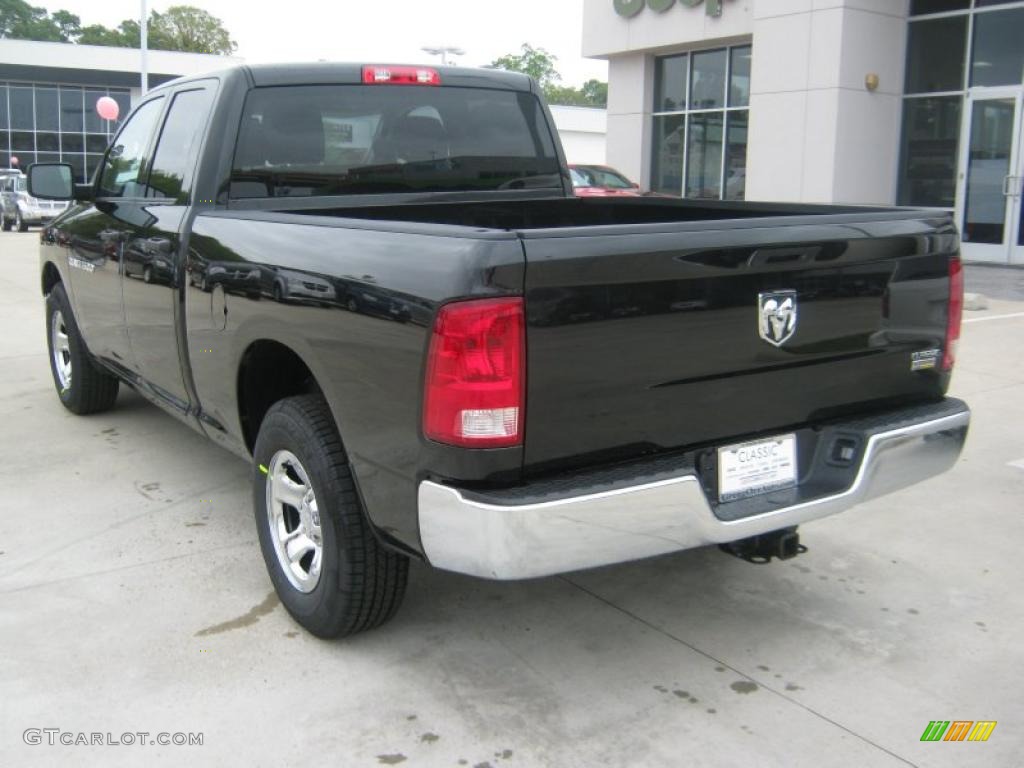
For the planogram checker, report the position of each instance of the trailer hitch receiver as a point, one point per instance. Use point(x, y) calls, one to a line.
point(783, 544)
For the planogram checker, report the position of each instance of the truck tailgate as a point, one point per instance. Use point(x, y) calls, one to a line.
point(649, 337)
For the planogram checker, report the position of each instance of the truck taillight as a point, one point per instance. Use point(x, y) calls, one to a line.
point(385, 75)
point(475, 385)
point(956, 311)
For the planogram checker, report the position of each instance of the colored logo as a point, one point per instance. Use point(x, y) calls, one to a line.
point(958, 730)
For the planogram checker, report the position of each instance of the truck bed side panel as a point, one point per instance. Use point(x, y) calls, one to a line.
point(356, 305)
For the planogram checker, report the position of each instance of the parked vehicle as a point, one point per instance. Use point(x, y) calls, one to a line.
point(508, 381)
point(21, 210)
point(601, 181)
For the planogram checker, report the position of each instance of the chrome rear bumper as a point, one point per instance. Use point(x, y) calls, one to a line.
point(524, 540)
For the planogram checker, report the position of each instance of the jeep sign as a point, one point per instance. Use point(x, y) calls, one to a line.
point(630, 8)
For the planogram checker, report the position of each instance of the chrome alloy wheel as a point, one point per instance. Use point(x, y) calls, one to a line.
point(61, 350)
point(294, 520)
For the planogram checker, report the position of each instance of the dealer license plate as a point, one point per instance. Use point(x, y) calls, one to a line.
point(746, 469)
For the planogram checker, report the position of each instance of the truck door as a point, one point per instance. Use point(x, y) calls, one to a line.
point(97, 234)
point(153, 262)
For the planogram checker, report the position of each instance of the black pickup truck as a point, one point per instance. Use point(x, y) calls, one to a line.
point(375, 284)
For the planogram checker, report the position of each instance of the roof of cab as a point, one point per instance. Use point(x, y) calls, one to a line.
point(326, 73)
point(333, 73)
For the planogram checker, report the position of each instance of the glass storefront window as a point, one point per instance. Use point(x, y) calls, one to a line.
point(935, 55)
point(21, 109)
point(71, 111)
point(670, 83)
point(47, 123)
point(707, 80)
point(997, 52)
point(667, 155)
point(704, 156)
point(23, 141)
point(701, 101)
point(920, 7)
point(931, 132)
point(48, 142)
point(739, 77)
point(736, 156)
point(47, 117)
point(93, 122)
point(96, 142)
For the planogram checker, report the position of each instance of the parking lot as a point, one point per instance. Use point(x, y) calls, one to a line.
point(133, 598)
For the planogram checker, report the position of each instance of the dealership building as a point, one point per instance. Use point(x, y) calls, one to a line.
point(908, 102)
point(48, 95)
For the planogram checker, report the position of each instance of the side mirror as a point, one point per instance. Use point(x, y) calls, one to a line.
point(635, 185)
point(51, 181)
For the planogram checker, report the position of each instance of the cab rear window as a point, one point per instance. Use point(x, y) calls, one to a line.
point(367, 139)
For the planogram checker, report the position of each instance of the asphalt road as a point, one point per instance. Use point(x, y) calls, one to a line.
point(133, 598)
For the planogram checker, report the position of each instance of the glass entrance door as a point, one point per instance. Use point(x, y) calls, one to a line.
point(989, 211)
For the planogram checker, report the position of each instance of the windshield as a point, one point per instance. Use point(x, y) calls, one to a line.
point(367, 139)
point(593, 176)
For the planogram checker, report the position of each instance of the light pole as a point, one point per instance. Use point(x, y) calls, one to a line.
point(143, 23)
point(443, 51)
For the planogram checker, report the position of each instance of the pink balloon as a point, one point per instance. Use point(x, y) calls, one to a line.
point(107, 108)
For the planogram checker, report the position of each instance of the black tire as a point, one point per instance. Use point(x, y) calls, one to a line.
point(20, 222)
point(5, 223)
point(361, 584)
point(91, 389)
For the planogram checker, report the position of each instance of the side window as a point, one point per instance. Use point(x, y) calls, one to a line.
point(175, 156)
point(123, 163)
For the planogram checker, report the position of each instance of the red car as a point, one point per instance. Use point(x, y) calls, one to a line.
point(601, 181)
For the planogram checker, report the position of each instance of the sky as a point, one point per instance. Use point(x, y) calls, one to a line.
point(385, 31)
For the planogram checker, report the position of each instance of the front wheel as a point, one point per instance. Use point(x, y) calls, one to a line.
point(329, 571)
point(5, 223)
point(81, 385)
point(19, 222)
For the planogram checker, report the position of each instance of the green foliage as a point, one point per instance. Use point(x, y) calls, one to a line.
point(540, 65)
point(186, 28)
point(21, 21)
point(535, 62)
point(180, 28)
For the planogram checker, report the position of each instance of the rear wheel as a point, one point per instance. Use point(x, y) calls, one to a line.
point(81, 385)
point(329, 571)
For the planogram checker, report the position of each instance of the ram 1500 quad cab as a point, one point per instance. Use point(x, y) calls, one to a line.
point(375, 284)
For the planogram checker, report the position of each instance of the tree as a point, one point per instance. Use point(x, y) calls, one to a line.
point(97, 34)
point(535, 62)
point(595, 93)
point(69, 24)
point(187, 28)
point(21, 21)
point(180, 28)
point(540, 65)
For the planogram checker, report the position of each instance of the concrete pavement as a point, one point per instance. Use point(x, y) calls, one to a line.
point(133, 598)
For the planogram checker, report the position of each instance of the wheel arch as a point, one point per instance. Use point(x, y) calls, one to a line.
point(269, 371)
point(50, 277)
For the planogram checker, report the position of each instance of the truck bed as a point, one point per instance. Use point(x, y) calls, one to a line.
point(642, 315)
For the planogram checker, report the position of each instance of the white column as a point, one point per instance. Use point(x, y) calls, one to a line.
point(630, 94)
point(817, 134)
